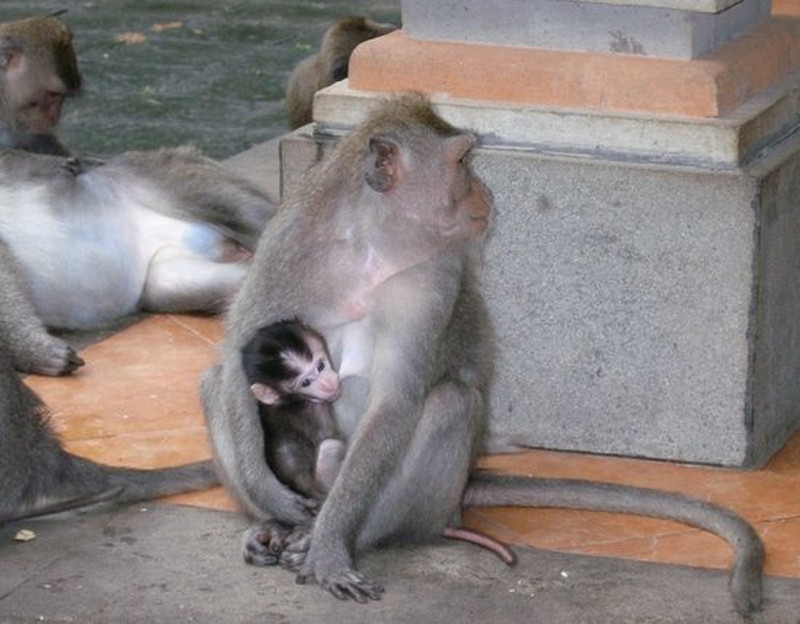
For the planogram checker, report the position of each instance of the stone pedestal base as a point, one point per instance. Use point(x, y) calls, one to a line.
point(641, 308)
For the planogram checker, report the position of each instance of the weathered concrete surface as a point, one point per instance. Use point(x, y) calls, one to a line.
point(172, 564)
point(628, 28)
point(640, 309)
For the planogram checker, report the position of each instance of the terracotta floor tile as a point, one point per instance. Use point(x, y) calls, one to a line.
point(142, 379)
point(208, 327)
point(146, 449)
point(136, 402)
point(215, 498)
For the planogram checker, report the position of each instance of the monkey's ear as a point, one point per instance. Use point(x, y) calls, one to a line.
point(10, 56)
point(264, 394)
point(382, 175)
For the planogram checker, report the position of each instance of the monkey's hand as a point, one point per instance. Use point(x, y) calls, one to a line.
point(333, 569)
point(72, 166)
point(292, 508)
point(75, 166)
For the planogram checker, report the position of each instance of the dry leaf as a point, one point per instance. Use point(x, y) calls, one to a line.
point(24, 535)
point(130, 38)
point(166, 26)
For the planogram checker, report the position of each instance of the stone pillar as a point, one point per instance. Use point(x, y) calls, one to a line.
point(644, 273)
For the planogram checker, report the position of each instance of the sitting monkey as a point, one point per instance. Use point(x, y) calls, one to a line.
point(290, 374)
point(327, 66)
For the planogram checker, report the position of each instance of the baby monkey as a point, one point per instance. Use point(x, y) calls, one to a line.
point(290, 374)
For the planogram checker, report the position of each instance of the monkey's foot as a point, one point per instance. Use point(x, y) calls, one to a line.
point(347, 584)
point(297, 544)
point(263, 543)
point(54, 357)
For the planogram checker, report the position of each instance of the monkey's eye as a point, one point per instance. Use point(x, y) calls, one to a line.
point(306, 382)
point(320, 366)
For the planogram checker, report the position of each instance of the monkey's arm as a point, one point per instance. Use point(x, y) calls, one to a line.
point(16, 164)
point(238, 442)
point(31, 348)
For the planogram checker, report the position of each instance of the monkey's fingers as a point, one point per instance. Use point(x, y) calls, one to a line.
point(72, 166)
point(262, 543)
point(349, 584)
point(299, 539)
point(293, 561)
point(74, 361)
point(311, 506)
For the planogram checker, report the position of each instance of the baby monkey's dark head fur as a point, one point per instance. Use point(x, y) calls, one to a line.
point(288, 362)
point(264, 357)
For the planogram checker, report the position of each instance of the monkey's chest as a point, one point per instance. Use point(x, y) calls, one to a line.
point(352, 348)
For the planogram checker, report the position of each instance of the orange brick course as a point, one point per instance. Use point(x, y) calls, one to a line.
point(707, 87)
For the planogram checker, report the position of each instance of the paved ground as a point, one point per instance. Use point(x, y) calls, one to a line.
point(173, 564)
point(166, 563)
point(217, 79)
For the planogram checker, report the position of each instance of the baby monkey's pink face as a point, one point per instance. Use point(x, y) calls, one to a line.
point(316, 378)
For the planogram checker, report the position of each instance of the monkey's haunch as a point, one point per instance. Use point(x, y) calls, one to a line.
point(486, 490)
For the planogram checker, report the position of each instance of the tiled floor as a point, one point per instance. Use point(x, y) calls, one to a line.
point(136, 403)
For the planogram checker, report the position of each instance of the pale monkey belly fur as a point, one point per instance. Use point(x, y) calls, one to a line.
point(93, 245)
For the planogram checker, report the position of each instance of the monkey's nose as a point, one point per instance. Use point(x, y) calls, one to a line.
point(332, 387)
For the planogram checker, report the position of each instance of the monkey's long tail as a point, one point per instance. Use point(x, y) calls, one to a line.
point(82, 483)
point(488, 490)
point(141, 484)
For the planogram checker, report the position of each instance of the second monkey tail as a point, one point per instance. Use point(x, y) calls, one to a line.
point(489, 490)
point(82, 483)
point(137, 484)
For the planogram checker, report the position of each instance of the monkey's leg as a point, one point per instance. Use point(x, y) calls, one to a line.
point(32, 349)
point(329, 460)
point(425, 494)
point(421, 498)
point(178, 281)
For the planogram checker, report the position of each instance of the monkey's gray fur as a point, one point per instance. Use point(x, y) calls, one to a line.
point(377, 249)
point(162, 231)
point(37, 476)
point(327, 66)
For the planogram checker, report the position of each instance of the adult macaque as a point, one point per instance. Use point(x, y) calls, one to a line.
point(162, 231)
point(327, 66)
point(378, 250)
point(37, 476)
point(38, 71)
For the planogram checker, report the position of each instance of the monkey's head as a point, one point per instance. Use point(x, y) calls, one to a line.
point(38, 70)
point(342, 38)
point(288, 361)
point(418, 178)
